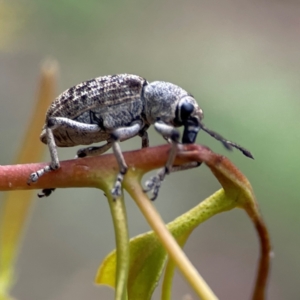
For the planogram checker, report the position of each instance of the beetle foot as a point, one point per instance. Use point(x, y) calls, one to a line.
point(81, 153)
point(117, 189)
point(36, 175)
point(33, 178)
point(46, 192)
point(154, 183)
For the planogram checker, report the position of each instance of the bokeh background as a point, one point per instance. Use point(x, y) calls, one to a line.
point(241, 61)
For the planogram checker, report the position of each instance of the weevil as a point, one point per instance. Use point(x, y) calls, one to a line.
point(116, 108)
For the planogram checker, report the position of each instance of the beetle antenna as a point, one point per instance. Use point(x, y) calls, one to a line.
point(227, 144)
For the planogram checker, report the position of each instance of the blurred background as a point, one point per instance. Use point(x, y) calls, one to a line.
point(241, 61)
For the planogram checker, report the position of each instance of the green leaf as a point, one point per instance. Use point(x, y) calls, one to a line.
point(147, 259)
point(147, 255)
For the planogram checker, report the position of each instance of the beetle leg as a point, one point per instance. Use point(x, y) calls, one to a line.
point(187, 166)
point(54, 164)
point(52, 124)
point(169, 132)
point(154, 182)
point(122, 134)
point(145, 139)
point(68, 123)
point(93, 151)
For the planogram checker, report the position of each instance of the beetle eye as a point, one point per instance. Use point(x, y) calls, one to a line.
point(186, 109)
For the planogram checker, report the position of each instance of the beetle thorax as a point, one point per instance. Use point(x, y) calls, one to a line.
point(161, 99)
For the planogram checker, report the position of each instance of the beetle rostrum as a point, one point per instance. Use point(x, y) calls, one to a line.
point(116, 108)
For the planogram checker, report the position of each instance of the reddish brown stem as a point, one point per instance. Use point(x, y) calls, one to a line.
point(83, 172)
point(95, 171)
point(265, 253)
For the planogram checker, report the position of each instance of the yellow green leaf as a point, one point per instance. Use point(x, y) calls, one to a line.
point(148, 256)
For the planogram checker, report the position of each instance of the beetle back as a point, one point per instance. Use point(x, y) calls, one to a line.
point(110, 102)
point(102, 92)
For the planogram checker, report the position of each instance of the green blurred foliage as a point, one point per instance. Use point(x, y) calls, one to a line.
point(240, 59)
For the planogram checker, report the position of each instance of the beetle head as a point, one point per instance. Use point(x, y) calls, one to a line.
point(188, 114)
point(175, 106)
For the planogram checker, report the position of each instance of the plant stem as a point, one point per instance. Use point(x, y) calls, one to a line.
point(168, 241)
point(118, 212)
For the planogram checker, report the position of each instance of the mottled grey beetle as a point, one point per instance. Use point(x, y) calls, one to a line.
point(116, 108)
